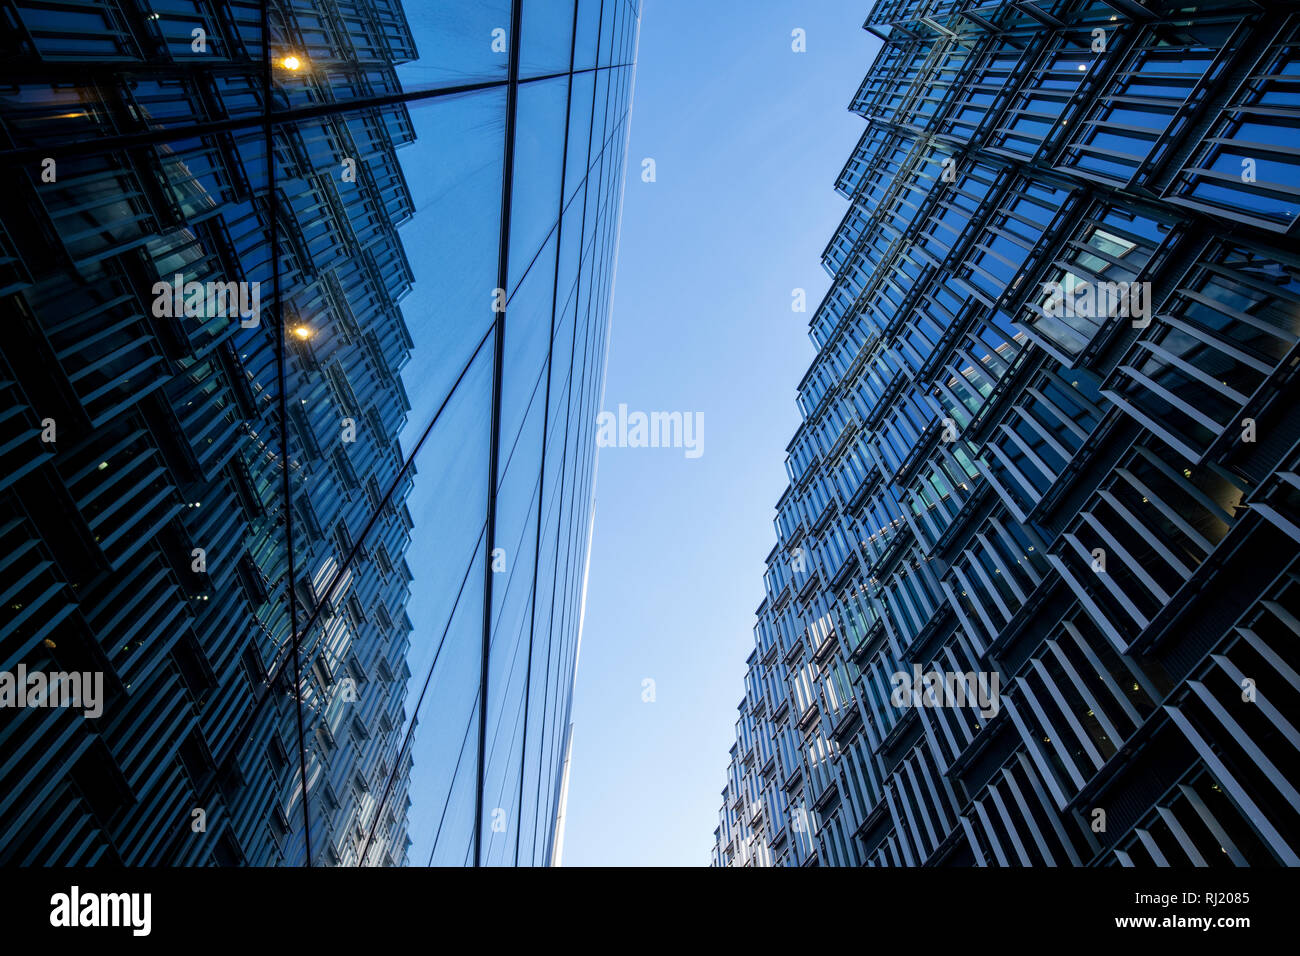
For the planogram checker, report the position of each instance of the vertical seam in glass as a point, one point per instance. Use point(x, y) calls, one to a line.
point(568, 417)
point(498, 358)
point(282, 410)
point(546, 417)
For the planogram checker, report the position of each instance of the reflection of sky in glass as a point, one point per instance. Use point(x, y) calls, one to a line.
point(551, 367)
point(454, 42)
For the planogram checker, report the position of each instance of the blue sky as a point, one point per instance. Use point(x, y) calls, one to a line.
point(747, 138)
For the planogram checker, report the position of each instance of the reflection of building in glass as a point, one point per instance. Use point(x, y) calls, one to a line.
point(995, 476)
point(216, 410)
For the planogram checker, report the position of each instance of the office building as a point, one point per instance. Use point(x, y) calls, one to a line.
point(1034, 598)
point(281, 415)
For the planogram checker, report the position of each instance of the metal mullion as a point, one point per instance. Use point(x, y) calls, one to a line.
point(1126, 557)
point(1027, 814)
point(1030, 455)
point(992, 551)
point(967, 639)
point(912, 789)
point(974, 841)
point(943, 726)
point(1071, 719)
point(963, 351)
point(1012, 237)
point(558, 743)
point(1005, 815)
point(1073, 267)
point(498, 362)
point(1107, 582)
point(977, 567)
point(1016, 511)
point(1283, 615)
point(1036, 784)
point(1089, 698)
point(1065, 419)
point(905, 597)
point(991, 834)
point(1174, 517)
point(1159, 429)
point(1094, 610)
point(1247, 743)
point(893, 800)
point(1055, 740)
point(1191, 370)
point(1182, 482)
point(1241, 278)
point(1091, 250)
point(1048, 438)
point(550, 352)
point(977, 605)
point(957, 402)
point(1203, 420)
point(1152, 848)
point(1243, 317)
point(1012, 545)
point(1279, 719)
point(1212, 824)
point(1240, 795)
point(1266, 652)
point(1181, 836)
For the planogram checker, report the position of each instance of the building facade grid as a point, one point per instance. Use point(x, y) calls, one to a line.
point(233, 514)
point(1083, 514)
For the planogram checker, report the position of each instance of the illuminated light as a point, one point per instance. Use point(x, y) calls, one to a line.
point(302, 332)
point(1083, 66)
point(291, 62)
point(102, 466)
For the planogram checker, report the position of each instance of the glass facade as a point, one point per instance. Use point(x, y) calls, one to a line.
point(307, 306)
point(1048, 457)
